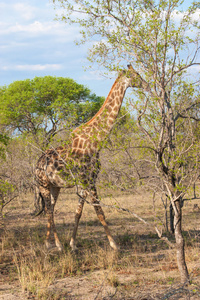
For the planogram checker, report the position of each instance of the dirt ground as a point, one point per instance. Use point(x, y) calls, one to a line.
point(143, 268)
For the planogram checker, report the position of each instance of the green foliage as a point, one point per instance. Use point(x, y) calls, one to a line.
point(45, 105)
point(3, 143)
point(5, 187)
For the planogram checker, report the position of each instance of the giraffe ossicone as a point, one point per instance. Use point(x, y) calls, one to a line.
point(77, 163)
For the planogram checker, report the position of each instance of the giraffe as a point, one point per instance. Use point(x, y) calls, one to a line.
point(77, 162)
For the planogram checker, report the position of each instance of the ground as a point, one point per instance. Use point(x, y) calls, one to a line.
point(143, 268)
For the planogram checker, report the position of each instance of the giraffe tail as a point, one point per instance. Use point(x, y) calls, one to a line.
point(43, 206)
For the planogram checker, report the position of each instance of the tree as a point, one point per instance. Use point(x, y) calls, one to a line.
point(3, 143)
point(161, 40)
point(45, 105)
point(6, 188)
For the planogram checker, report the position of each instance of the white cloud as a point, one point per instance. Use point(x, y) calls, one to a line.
point(26, 11)
point(36, 67)
point(178, 15)
point(38, 28)
point(194, 70)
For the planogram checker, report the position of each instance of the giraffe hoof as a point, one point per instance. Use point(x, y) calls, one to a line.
point(73, 246)
point(59, 246)
point(48, 245)
point(114, 246)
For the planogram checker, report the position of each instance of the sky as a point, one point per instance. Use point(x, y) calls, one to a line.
point(33, 43)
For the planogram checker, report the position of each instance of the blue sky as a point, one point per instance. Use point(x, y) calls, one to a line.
point(33, 44)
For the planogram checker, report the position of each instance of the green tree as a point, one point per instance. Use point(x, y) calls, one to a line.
point(4, 139)
point(160, 38)
point(45, 106)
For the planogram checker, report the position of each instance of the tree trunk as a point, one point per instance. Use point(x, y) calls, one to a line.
point(171, 214)
point(180, 243)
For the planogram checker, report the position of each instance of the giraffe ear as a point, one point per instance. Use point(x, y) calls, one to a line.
point(130, 67)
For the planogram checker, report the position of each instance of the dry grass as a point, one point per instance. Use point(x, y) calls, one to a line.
point(144, 268)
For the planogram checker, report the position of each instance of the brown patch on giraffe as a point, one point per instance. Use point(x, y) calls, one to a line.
point(112, 104)
point(86, 152)
point(109, 109)
point(110, 121)
point(53, 167)
point(59, 148)
point(95, 144)
point(83, 136)
point(87, 130)
point(56, 164)
point(112, 116)
point(111, 98)
point(50, 161)
point(110, 101)
point(75, 143)
point(81, 143)
point(116, 109)
point(117, 100)
point(55, 155)
point(78, 152)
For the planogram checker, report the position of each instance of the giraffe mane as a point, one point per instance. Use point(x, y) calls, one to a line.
point(102, 107)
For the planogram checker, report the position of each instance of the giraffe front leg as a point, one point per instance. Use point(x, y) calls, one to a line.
point(101, 216)
point(47, 241)
point(77, 219)
point(57, 242)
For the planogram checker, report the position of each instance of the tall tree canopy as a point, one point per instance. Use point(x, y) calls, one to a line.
point(152, 35)
point(45, 105)
point(160, 38)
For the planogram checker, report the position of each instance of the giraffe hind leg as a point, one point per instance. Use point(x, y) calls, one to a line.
point(50, 200)
point(45, 195)
point(54, 191)
point(77, 219)
point(43, 205)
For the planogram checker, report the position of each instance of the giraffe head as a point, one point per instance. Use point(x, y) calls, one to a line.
point(133, 78)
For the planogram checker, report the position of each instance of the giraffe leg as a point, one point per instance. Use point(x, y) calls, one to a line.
point(45, 192)
point(77, 219)
point(50, 200)
point(54, 196)
point(101, 216)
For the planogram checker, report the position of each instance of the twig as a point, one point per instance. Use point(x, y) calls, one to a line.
point(102, 284)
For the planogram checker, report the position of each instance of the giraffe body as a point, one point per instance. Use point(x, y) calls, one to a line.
point(77, 163)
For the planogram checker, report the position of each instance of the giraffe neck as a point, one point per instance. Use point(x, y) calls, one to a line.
point(106, 116)
point(87, 139)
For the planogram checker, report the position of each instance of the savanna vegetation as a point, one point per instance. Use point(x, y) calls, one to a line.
point(149, 181)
